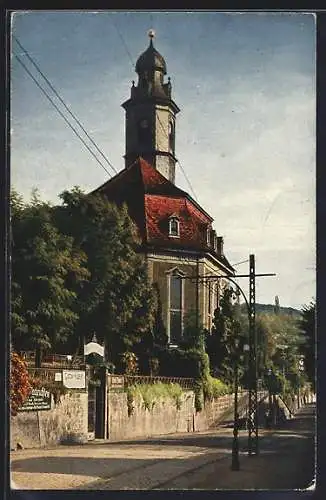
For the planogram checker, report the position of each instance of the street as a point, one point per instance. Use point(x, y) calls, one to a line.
point(182, 461)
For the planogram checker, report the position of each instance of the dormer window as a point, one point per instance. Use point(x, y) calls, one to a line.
point(215, 242)
point(208, 236)
point(174, 227)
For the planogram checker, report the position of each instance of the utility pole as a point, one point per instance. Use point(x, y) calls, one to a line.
point(253, 360)
point(253, 403)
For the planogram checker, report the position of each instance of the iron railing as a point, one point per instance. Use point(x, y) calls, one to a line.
point(44, 374)
point(184, 382)
point(53, 360)
point(47, 374)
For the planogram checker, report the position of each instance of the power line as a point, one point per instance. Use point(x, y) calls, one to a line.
point(60, 112)
point(184, 173)
point(238, 263)
point(189, 183)
point(123, 41)
point(64, 104)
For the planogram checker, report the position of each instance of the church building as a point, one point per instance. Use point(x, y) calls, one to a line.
point(177, 235)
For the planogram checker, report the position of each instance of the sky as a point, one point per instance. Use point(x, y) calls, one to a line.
point(245, 135)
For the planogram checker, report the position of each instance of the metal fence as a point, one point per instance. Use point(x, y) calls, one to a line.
point(184, 382)
point(53, 360)
point(46, 374)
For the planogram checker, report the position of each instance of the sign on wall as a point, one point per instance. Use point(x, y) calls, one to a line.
point(116, 381)
point(39, 399)
point(74, 379)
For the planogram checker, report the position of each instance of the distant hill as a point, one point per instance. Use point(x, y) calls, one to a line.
point(269, 308)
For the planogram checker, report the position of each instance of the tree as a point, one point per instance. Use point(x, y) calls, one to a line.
point(194, 334)
point(229, 330)
point(308, 349)
point(118, 302)
point(160, 335)
point(277, 305)
point(20, 385)
point(46, 269)
point(279, 344)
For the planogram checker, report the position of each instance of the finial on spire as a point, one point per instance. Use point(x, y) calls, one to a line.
point(151, 34)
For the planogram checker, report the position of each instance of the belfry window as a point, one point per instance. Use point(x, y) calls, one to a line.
point(174, 227)
point(171, 137)
point(143, 132)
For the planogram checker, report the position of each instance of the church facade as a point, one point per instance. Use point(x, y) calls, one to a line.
point(177, 235)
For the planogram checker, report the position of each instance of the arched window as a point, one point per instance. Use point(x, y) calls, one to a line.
point(175, 307)
point(217, 295)
point(174, 227)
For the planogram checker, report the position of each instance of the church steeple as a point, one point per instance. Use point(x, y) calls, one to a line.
point(150, 114)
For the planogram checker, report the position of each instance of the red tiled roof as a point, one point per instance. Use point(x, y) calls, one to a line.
point(142, 176)
point(193, 223)
point(151, 200)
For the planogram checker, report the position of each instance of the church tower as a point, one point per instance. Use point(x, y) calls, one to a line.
point(150, 115)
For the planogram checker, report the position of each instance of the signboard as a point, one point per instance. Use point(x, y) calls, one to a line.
point(93, 347)
point(39, 399)
point(74, 379)
point(116, 381)
point(58, 377)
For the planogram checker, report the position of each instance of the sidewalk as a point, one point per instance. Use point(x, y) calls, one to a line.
point(190, 461)
point(285, 461)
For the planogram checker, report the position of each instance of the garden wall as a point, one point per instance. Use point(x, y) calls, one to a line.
point(164, 417)
point(33, 429)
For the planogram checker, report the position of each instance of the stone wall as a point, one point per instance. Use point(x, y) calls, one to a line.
point(163, 418)
point(212, 412)
point(33, 429)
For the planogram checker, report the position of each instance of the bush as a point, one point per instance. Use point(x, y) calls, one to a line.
point(214, 388)
point(193, 332)
point(130, 362)
point(199, 399)
point(151, 393)
point(193, 363)
point(20, 384)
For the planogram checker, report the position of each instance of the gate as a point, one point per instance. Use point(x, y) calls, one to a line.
point(96, 404)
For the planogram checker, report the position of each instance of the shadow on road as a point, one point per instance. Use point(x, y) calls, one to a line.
point(87, 466)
